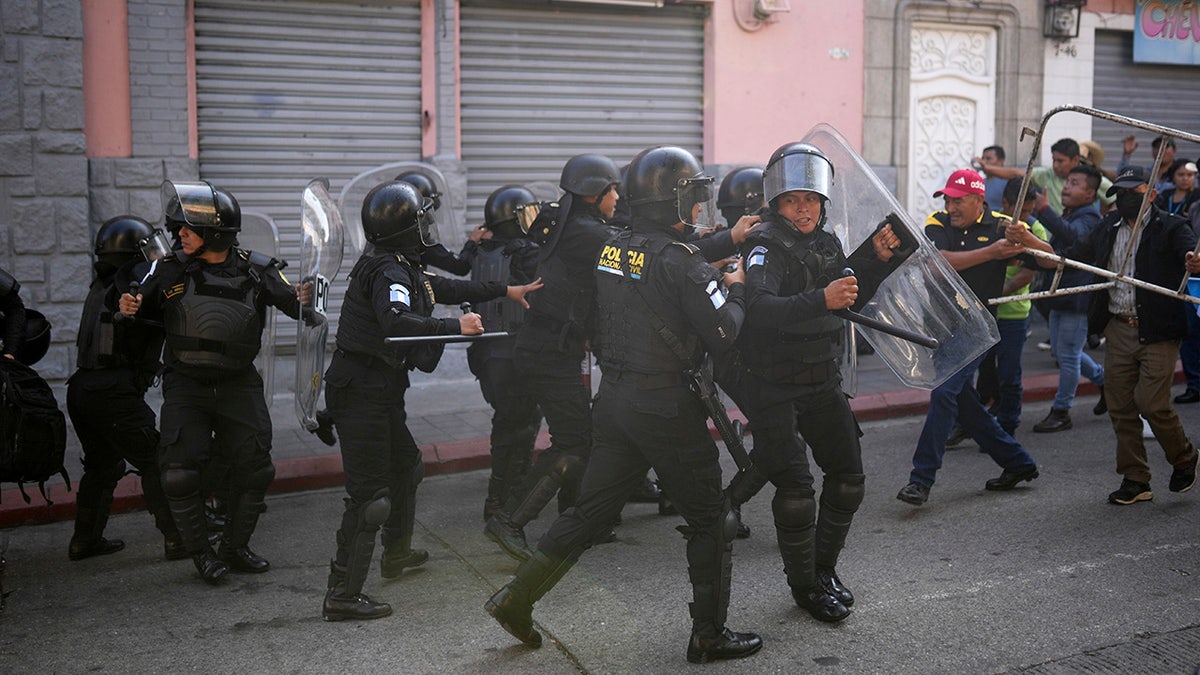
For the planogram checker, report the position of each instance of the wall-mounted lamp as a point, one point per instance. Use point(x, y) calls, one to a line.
point(1060, 21)
point(753, 15)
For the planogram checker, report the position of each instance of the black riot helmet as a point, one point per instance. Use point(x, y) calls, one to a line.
point(798, 166)
point(500, 210)
point(394, 218)
point(120, 239)
point(589, 175)
point(666, 185)
point(212, 213)
point(741, 193)
point(425, 186)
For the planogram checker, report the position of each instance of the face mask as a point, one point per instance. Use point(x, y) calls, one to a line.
point(1128, 205)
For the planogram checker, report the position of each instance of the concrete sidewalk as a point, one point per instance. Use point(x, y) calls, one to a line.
point(451, 422)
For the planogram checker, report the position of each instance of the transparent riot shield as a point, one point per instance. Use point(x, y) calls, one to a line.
point(259, 233)
point(321, 250)
point(922, 295)
point(446, 219)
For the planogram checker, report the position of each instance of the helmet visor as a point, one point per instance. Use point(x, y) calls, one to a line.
point(426, 225)
point(798, 171)
point(190, 203)
point(528, 213)
point(697, 202)
point(156, 246)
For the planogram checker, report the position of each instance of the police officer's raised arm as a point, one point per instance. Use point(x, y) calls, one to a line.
point(715, 306)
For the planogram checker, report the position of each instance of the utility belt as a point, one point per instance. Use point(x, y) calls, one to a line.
point(181, 343)
point(637, 380)
point(370, 361)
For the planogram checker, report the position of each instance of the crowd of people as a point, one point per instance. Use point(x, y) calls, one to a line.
point(632, 265)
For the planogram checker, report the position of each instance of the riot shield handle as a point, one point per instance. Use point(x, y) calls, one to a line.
point(907, 335)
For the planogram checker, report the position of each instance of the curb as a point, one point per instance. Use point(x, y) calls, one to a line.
point(469, 454)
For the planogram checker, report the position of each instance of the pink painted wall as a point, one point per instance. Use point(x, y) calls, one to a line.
point(106, 106)
point(769, 87)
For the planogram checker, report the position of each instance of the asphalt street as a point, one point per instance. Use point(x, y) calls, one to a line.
point(1047, 577)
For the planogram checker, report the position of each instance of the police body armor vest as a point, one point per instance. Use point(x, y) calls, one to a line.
point(635, 327)
point(105, 343)
point(359, 331)
point(493, 262)
point(216, 323)
point(565, 302)
point(797, 349)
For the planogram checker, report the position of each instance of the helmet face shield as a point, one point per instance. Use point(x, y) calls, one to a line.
point(697, 202)
point(800, 169)
point(191, 203)
point(155, 247)
point(427, 226)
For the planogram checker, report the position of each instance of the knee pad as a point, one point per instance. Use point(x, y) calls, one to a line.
point(259, 478)
point(794, 508)
point(375, 512)
point(179, 482)
point(843, 492)
point(727, 524)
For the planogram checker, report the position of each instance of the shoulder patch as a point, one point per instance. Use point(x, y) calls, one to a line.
point(400, 293)
point(716, 293)
point(758, 256)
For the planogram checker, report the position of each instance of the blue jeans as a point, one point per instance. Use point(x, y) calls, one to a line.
point(956, 399)
point(1068, 333)
point(1008, 371)
point(1189, 348)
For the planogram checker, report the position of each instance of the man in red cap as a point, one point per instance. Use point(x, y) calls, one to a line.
point(972, 239)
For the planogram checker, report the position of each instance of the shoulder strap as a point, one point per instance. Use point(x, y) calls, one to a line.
point(677, 346)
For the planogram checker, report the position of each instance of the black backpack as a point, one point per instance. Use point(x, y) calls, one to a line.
point(33, 431)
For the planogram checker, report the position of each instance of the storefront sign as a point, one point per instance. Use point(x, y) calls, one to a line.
point(1167, 31)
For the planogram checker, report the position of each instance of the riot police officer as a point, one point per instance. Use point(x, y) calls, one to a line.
point(551, 344)
point(507, 256)
point(390, 294)
point(741, 194)
point(212, 298)
point(660, 307)
point(115, 364)
point(790, 347)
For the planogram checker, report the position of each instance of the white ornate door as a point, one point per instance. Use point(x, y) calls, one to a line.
point(952, 106)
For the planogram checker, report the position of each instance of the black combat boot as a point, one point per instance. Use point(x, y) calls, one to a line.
point(710, 569)
point(508, 530)
point(342, 605)
point(210, 567)
point(91, 517)
point(841, 495)
point(512, 606)
point(794, 530)
point(242, 518)
point(397, 535)
point(87, 542)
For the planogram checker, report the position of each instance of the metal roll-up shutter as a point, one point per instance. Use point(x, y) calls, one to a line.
point(1157, 93)
point(288, 91)
point(541, 83)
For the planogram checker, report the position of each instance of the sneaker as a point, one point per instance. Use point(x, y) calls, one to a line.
point(913, 493)
point(1043, 346)
point(1131, 492)
point(1182, 480)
